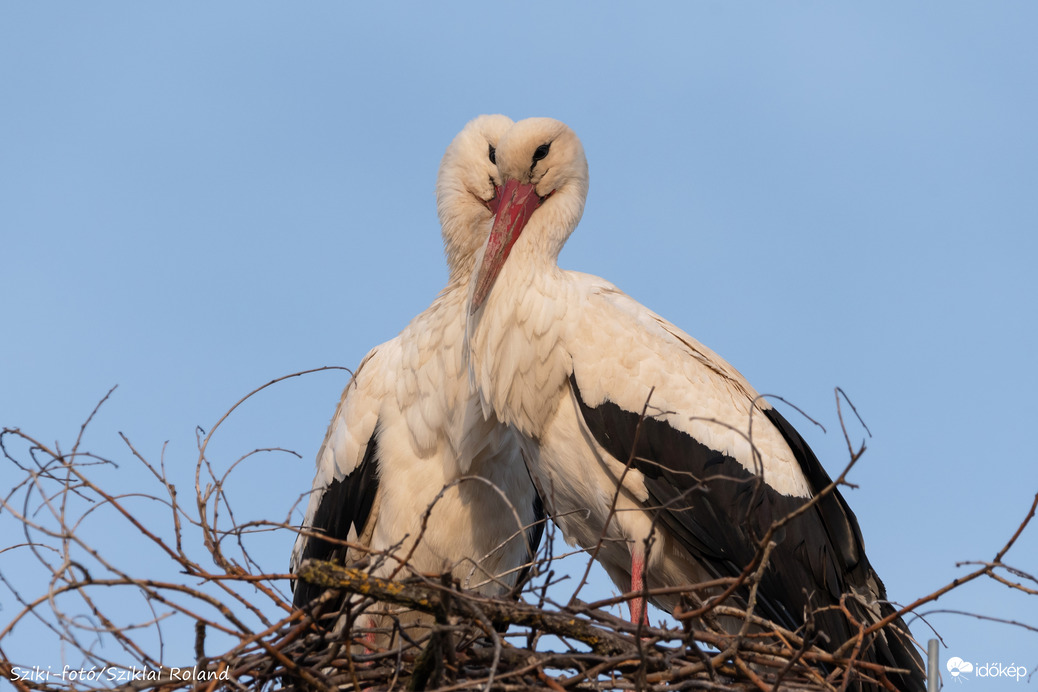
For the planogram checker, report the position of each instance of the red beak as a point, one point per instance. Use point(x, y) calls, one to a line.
point(518, 201)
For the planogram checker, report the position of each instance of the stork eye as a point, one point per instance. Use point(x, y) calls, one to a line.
point(540, 152)
point(493, 155)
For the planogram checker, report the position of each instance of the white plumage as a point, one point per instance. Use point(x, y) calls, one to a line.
point(570, 362)
point(399, 435)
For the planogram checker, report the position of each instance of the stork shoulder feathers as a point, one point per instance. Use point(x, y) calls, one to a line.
point(427, 378)
point(353, 425)
point(628, 355)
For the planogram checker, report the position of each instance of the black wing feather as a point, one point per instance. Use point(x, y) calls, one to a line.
point(714, 507)
point(534, 534)
point(719, 511)
point(345, 503)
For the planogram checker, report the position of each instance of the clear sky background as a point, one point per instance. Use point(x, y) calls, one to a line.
point(198, 198)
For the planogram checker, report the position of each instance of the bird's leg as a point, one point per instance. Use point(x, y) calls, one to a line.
point(368, 639)
point(637, 604)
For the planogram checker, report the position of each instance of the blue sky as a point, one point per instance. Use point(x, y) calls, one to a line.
point(196, 199)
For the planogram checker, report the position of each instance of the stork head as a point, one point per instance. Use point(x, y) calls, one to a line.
point(544, 183)
point(466, 190)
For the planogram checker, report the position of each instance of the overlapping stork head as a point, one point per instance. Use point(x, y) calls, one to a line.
point(467, 190)
point(544, 183)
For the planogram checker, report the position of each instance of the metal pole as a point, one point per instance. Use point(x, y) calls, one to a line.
point(932, 664)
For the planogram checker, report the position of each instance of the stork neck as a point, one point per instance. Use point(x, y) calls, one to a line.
point(465, 229)
point(518, 358)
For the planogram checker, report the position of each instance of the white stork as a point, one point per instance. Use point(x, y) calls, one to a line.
point(571, 362)
point(398, 437)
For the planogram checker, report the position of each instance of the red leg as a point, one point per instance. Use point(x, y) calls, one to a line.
point(637, 604)
point(367, 640)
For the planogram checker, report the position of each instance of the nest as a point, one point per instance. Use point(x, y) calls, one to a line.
point(193, 569)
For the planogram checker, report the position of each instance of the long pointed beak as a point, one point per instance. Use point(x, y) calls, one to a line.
point(518, 201)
